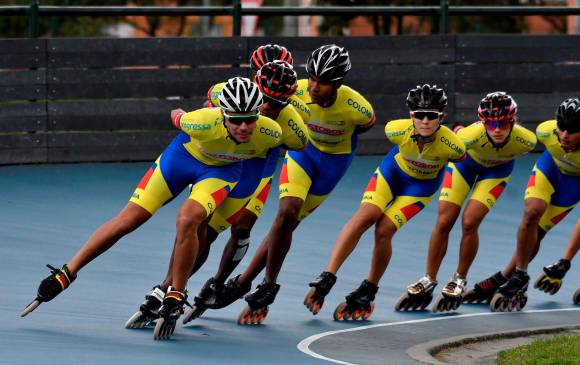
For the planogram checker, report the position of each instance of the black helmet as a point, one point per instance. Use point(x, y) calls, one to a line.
point(277, 80)
point(268, 53)
point(240, 95)
point(568, 115)
point(426, 97)
point(329, 63)
point(497, 106)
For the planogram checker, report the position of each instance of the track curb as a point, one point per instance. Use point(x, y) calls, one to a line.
point(425, 352)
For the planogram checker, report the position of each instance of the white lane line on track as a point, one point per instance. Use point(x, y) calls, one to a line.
point(304, 345)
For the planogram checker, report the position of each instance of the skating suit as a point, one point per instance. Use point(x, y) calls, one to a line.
point(555, 178)
point(252, 190)
point(487, 167)
point(313, 173)
point(205, 156)
point(404, 183)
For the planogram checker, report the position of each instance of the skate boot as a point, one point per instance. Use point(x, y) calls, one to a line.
point(550, 281)
point(50, 287)
point(258, 301)
point(418, 295)
point(320, 287)
point(359, 304)
point(231, 292)
point(169, 312)
point(148, 311)
point(206, 297)
point(484, 290)
point(512, 295)
point(576, 297)
point(451, 296)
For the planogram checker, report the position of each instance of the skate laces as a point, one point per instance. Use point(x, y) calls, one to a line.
point(424, 284)
point(156, 293)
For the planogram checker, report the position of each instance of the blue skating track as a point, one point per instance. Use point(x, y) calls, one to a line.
point(48, 211)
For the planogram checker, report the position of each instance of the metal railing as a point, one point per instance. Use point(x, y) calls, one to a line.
point(236, 11)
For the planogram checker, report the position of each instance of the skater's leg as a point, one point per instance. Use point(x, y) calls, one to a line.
point(528, 231)
point(237, 245)
point(349, 236)
point(189, 218)
point(473, 215)
point(129, 219)
point(200, 259)
point(574, 243)
point(448, 213)
point(384, 231)
point(279, 238)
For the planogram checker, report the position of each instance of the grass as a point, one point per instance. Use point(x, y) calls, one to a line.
point(559, 350)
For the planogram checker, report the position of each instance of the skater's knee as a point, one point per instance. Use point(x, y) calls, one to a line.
point(384, 233)
point(533, 213)
point(288, 215)
point(444, 225)
point(190, 219)
point(470, 225)
point(241, 231)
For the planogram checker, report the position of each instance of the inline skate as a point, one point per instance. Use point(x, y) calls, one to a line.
point(359, 303)
point(418, 295)
point(320, 287)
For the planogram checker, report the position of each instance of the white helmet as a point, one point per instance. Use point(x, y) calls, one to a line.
point(240, 95)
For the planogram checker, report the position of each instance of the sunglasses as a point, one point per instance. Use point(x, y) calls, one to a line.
point(274, 103)
point(426, 114)
point(241, 119)
point(491, 125)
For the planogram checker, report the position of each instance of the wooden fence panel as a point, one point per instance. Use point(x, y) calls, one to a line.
point(117, 114)
point(107, 53)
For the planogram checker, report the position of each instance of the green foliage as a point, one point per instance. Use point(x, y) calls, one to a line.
point(559, 350)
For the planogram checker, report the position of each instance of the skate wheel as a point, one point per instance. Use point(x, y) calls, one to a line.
point(539, 280)
point(357, 314)
point(312, 303)
point(193, 313)
point(576, 297)
point(339, 312)
point(402, 302)
point(164, 329)
point(245, 316)
point(497, 303)
point(29, 308)
point(366, 314)
point(439, 304)
point(138, 320)
point(522, 300)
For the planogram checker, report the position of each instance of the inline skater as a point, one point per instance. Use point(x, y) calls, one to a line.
point(548, 199)
point(338, 115)
point(206, 155)
point(400, 188)
point(493, 143)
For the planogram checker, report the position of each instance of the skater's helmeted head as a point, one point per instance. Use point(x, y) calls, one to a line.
point(268, 53)
point(240, 100)
point(498, 111)
point(327, 67)
point(426, 104)
point(568, 122)
point(277, 81)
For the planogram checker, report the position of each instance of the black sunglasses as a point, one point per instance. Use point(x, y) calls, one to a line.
point(422, 114)
point(274, 103)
